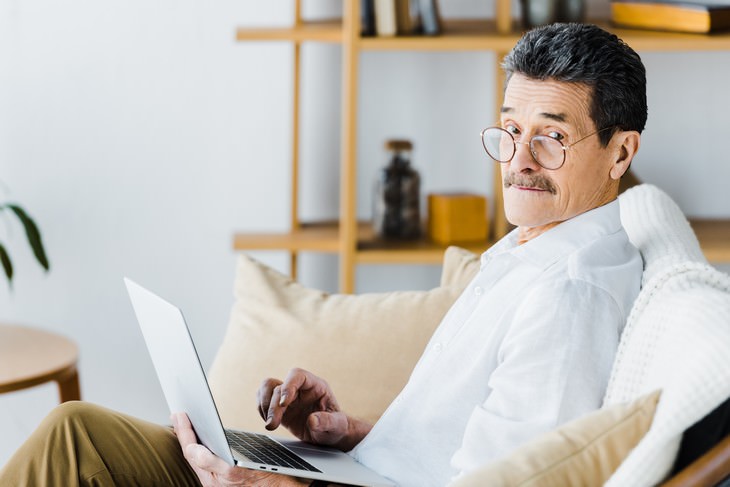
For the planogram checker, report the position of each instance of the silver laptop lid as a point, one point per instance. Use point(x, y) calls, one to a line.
point(178, 366)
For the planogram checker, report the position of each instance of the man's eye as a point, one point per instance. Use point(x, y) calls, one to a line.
point(555, 135)
point(512, 129)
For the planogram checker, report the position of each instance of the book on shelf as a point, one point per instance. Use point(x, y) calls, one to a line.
point(701, 17)
point(430, 17)
point(367, 17)
point(408, 17)
point(388, 18)
point(385, 18)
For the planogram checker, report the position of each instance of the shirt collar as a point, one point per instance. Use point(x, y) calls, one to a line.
point(543, 250)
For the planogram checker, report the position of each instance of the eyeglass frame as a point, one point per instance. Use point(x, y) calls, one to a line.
point(529, 144)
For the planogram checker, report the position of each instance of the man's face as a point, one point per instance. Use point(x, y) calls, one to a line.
point(536, 197)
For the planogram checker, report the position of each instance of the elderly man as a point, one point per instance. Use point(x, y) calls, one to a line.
point(526, 347)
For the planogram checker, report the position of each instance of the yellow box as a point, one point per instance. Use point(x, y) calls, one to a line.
point(457, 217)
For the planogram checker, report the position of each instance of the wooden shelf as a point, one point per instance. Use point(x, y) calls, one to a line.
point(476, 35)
point(457, 35)
point(648, 40)
point(714, 237)
point(316, 237)
point(315, 31)
point(324, 237)
point(374, 250)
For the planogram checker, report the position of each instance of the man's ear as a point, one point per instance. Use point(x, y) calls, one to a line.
point(627, 144)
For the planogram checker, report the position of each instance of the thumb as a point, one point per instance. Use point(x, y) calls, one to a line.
point(327, 428)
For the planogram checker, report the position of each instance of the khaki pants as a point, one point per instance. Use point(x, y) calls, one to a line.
point(80, 444)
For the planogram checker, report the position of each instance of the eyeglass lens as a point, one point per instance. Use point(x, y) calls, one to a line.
point(501, 146)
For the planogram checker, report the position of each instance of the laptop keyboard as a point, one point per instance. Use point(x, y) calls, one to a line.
point(262, 449)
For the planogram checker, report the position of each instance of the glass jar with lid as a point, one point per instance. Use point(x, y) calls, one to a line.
point(396, 202)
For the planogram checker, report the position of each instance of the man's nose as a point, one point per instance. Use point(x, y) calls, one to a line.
point(523, 159)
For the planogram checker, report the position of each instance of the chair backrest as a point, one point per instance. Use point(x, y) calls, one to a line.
point(677, 337)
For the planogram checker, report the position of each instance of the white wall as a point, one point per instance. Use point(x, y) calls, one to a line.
point(141, 136)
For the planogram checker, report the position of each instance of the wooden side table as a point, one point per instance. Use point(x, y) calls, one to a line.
point(29, 357)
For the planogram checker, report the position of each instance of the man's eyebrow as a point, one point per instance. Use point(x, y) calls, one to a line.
point(558, 117)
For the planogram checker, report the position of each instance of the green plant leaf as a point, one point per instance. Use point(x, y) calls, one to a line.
point(7, 265)
point(33, 234)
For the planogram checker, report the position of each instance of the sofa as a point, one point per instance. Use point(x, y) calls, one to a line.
point(672, 367)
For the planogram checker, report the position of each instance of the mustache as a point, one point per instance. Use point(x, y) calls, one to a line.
point(537, 181)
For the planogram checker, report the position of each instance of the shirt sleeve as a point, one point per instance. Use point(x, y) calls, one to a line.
point(553, 366)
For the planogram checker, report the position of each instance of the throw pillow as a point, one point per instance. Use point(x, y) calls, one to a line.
point(364, 345)
point(583, 452)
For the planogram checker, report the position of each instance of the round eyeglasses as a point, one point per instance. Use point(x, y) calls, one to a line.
point(546, 151)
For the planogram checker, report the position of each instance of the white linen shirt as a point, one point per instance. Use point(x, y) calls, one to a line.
point(527, 346)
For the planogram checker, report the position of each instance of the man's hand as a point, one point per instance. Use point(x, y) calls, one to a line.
point(213, 471)
point(305, 405)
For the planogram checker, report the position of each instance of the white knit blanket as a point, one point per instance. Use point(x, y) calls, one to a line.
point(677, 337)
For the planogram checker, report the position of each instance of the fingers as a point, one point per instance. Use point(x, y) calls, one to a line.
point(202, 458)
point(264, 394)
point(196, 454)
point(204, 463)
point(212, 470)
point(275, 396)
point(276, 411)
point(328, 428)
point(290, 402)
point(183, 430)
point(296, 380)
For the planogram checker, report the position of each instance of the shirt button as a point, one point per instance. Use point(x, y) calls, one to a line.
point(478, 290)
point(438, 347)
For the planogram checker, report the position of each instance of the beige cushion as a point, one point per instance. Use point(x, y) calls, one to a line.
point(583, 452)
point(364, 345)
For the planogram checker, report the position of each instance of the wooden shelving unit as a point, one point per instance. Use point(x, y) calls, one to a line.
point(354, 241)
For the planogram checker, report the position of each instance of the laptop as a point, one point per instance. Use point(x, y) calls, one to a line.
point(186, 390)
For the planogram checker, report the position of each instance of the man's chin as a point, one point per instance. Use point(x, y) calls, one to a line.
point(526, 221)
